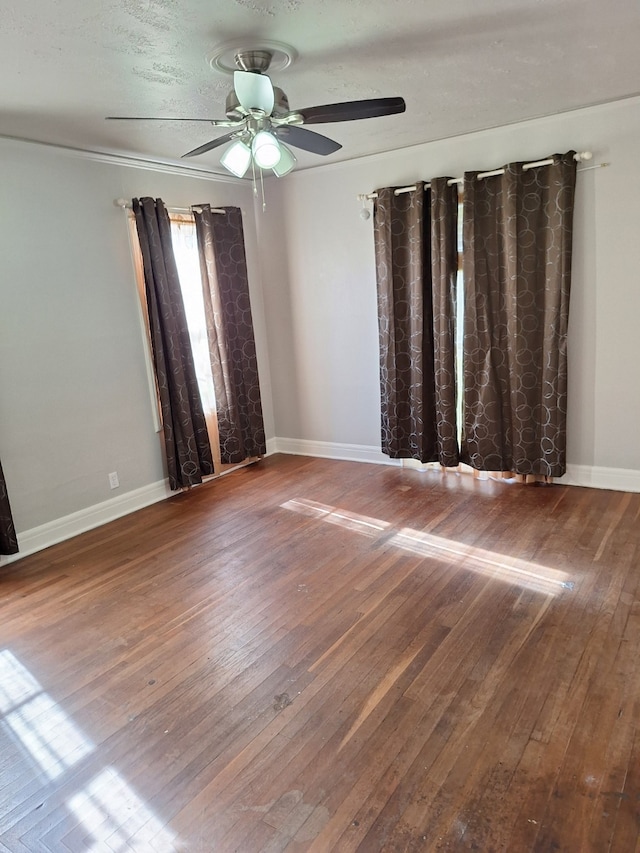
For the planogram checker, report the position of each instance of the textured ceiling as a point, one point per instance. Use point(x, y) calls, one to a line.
point(461, 65)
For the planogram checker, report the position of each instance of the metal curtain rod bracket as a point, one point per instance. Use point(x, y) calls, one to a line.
point(126, 205)
point(581, 156)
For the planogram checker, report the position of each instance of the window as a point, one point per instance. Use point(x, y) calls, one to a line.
point(183, 234)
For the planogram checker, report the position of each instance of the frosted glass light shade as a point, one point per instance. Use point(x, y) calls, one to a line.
point(286, 163)
point(266, 150)
point(254, 91)
point(237, 158)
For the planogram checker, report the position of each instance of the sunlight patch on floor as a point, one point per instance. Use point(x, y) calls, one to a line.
point(50, 737)
point(112, 814)
point(117, 819)
point(499, 567)
point(342, 517)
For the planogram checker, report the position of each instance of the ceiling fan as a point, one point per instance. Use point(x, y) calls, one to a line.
point(260, 121)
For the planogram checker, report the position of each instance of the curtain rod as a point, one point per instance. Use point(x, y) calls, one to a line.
point(126, 205)
point(580, 157)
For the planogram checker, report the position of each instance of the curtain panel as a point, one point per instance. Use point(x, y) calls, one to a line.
point(187, 448)
point(416, 311)
point(8, 538)
point(444, 273)
point(517, 273)
point(234, 365)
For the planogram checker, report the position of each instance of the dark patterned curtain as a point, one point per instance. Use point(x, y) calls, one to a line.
point(444, 271)
point(232, 346)
point(187, 447)
point(416, 310)
point(8, 538)
point(517, 271)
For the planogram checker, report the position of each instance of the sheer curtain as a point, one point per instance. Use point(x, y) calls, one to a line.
point(517, 274)
point(185, 249)
point(232, 346)
point(8, 538)
point(415, 247)
point(187, 448)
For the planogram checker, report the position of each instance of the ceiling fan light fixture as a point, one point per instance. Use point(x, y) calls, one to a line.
point(254, 91)
point(237, 158)
point(286, 163)
point(266, 150)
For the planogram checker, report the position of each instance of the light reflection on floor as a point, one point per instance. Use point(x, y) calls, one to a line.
point(342, 517)
point(512, 570)
point(532, 576)
point(115, 816)
point(40, 725)
point(112, 814)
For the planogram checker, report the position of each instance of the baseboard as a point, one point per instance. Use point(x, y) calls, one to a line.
point(272, 446)
point(617, 479)
point(38, 538)
point(332, 450)
point(60, 529)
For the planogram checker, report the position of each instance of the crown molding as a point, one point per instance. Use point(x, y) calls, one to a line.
point(126, 160)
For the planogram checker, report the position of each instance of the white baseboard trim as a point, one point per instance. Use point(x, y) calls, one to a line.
point(38, 538)
point(45, 535)
point(617, 479)
point(272, 446)
point(60, 529)
point(332, 450)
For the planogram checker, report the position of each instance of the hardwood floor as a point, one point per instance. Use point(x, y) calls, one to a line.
point(310, 655)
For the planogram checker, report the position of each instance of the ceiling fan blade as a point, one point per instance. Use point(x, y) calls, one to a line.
point(158, 118)
point(352, 110)
point(307, 140)
point(254, 91)
point(215, 143)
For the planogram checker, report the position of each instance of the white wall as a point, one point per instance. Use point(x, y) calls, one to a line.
point(74, 395)
point(321, 292)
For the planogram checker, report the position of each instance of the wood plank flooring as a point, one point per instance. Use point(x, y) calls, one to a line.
point(309, 655)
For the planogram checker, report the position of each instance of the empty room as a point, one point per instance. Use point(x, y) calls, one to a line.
point(319, 406)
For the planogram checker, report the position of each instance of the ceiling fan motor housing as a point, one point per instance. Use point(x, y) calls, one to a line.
point(256, 61)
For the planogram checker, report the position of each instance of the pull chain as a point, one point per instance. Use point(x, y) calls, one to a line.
point(264, 203)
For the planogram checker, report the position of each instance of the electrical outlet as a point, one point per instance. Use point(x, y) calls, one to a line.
point(114, 482)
